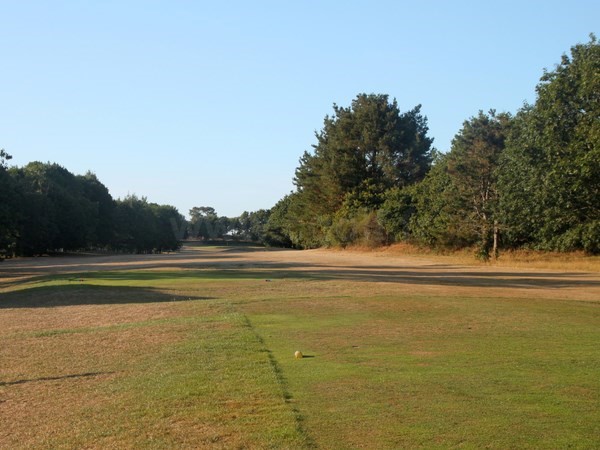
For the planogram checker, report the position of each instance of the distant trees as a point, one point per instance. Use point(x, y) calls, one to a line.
point(250, 226)
point(45, 208)
point(142, 227)
point(206, 224)
point(54, 213)
point(203, 223)
point(275, 231)
point(263, 227)
point(103, 229)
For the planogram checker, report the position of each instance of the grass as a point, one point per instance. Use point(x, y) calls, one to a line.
point(456, 373)
point(204, 358)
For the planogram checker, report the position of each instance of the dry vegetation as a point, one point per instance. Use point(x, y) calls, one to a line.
point(532, 259)
point(195, 350)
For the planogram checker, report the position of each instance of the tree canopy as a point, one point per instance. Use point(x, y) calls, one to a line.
point(550, 175)
point(362, 151)
point(528, 180)
point(44, 208)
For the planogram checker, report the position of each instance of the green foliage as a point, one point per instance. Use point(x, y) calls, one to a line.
point(306, 224)
point(432, 223)
point(361, 152)
point(473, 169)
point(142, 227)
point(396, 211)
point(455, 205)
point(550, 179)
point(101, 234)
point(8, 209)
point(251, 225)
point(45, 208)
point(3, 158)
point(167, 220)
point(205, 223)
point(345, 226)
point(54, 214)
point(277, 226)
point(355, 224)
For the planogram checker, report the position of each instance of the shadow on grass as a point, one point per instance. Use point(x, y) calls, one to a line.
point(57, 378)
point(459, 277)
point(218, 264)
point(268, 271)
point(83, 294)
point(273, 271)
point(36, 268)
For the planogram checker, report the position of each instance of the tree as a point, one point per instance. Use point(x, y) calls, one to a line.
point(472, 166)
point(431, 223)
point(362, 151)
point(101, 234)
point(395, 213)
point(45, 208)
point(3, 158)
point(550, 178)
point(251, 226)
point(204, 222)
point(456, 204)
point(8, 208)
point(167, 220)
point(54, 212)
point(276, 232)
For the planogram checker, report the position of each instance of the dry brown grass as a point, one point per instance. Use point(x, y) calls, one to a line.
point(531, 259)
point(58, 364)
point(395, 343)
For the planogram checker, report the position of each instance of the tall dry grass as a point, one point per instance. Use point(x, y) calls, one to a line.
point(532, 259)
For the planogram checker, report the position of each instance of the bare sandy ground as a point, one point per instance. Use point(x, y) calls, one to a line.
point(427, 273)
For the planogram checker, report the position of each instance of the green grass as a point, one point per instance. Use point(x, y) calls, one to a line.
point(477, 373)
point(217, 384)
point(204, 358)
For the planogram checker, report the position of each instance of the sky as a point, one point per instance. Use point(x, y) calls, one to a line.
point(197, 103)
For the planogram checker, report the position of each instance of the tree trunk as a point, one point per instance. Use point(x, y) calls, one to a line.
point(495, 244)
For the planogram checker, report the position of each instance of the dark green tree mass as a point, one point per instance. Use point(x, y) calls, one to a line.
point(361, 152)
point(550, 177)
point(44, 208)
point(9, 201)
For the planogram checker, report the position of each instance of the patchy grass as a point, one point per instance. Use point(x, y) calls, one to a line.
point(166, 374)
point(395, 357)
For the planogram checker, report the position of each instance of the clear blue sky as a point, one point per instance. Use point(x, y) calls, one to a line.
point(195, 103)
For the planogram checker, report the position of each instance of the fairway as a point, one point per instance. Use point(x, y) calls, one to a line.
point(195, 349)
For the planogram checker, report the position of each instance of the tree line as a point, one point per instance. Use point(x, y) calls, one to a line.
point(528, 180)
point(524, 180)
point(44, 208)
